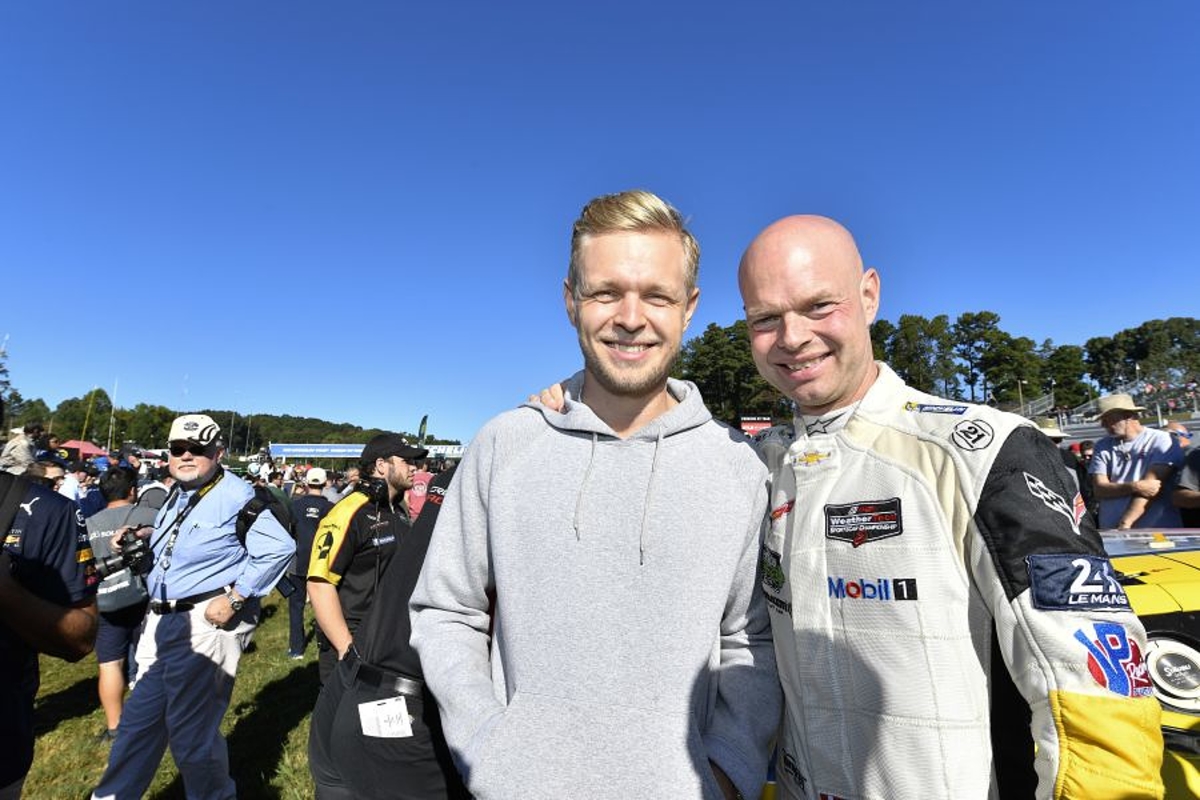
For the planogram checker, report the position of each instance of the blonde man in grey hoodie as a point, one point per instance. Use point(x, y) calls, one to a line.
point(588, 615)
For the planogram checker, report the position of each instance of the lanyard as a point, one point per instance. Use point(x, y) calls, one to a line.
point(173, 529)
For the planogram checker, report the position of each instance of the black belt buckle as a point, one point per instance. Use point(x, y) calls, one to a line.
point(170, 606)
point(184, 603)
point(387, 680)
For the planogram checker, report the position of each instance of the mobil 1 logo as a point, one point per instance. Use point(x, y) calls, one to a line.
point(881, 589)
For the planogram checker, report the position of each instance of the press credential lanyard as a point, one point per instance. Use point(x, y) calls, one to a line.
point(173, 530)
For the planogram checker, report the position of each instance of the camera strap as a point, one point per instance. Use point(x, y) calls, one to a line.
point(172, 531)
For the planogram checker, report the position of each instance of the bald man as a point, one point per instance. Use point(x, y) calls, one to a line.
point(940, 601)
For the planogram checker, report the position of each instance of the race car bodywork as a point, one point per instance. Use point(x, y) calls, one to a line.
point(1160, 571)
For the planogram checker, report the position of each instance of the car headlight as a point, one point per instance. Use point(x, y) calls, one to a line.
point(1175, 671)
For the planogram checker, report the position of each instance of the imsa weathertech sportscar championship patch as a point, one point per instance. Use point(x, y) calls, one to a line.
point(1071, 582)
point(865, 521)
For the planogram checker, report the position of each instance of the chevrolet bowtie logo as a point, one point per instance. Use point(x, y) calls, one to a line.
point(812, 457)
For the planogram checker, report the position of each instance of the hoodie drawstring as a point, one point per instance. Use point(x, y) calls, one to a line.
point(583, 486)
point(646, 501)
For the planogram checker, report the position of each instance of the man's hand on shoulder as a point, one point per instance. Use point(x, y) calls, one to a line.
point(551, 397)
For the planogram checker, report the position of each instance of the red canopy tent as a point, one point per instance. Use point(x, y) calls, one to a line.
point(84, 449)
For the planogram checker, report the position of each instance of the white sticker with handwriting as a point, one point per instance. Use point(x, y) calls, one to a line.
point(385, 719)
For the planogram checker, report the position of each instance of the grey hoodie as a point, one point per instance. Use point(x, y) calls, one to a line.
point(629, 638)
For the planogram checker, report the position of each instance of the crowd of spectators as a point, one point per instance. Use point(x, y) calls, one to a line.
point(125, 488)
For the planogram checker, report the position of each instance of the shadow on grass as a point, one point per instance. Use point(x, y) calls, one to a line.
point(257, 742)
point(77, 700)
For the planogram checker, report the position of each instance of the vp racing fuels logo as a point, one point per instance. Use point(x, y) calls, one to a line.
point(972, 434)
point(1074, 582)
point(865, 521)
point(1115, 661)
point(1054, 501)
point(883, 589)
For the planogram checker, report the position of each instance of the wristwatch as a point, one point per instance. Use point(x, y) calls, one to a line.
point(235, 602)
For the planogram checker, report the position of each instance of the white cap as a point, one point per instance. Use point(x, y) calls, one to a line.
point(196, 428)
point(316, 477)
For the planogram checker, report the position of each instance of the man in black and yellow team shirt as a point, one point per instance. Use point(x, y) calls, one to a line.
point(356, 540)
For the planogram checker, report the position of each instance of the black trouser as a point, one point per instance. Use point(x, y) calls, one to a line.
point(296, 615)
point(345, 764)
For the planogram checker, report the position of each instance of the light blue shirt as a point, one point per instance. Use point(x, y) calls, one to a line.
point(207, 554)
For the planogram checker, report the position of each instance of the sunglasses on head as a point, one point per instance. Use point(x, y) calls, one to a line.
point(178, 449)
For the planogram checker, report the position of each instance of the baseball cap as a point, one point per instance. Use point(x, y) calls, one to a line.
point(197, 428)
point(315, 477)
point(386, 445)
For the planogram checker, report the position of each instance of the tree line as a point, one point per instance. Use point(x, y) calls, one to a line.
point(91, 417)
point(971, 358)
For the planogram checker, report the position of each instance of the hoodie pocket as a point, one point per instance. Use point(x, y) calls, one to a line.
point(554, 747)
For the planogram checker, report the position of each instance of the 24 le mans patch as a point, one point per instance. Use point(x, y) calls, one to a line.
point(1074, 582)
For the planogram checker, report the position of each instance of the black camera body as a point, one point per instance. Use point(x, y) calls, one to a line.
point(135, 555)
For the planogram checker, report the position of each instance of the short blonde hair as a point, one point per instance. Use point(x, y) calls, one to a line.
point(636, 210)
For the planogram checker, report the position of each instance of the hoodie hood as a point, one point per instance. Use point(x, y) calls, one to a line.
point(576, 417)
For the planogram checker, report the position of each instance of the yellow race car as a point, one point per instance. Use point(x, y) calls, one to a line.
point(1160, 571)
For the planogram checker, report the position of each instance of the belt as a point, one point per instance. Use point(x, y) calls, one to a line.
point(388, 680)
point(184, 603)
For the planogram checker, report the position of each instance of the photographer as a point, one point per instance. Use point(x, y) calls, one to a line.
point(204, 583)
point(47, 583)
point(122, 597)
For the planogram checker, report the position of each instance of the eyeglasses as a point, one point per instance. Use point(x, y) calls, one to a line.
point(178, 450)
point(1180, 434)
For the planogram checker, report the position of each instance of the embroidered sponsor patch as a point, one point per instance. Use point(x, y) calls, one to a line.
point(1115, 661)
point(972, 434)
point(1080, 508)
point(862, 522)
point(811, 458)
point(1074, 582)
point(783, 510)
point(772, 570)
point(935, 408)
point(882, 589)
point(1052, 500)
point(792, 769)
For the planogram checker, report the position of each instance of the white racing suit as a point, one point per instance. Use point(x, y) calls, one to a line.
point(940, 604)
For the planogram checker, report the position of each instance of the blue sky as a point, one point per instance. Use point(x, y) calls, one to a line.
point(361, 211)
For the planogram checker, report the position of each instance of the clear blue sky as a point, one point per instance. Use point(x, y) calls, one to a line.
point(361, 211)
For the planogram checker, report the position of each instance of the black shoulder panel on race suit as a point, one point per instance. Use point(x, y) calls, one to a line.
point(1030, 505)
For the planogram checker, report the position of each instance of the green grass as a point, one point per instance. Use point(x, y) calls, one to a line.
point(266, 725)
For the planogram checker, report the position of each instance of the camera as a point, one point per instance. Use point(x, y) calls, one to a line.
point(135, 555)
